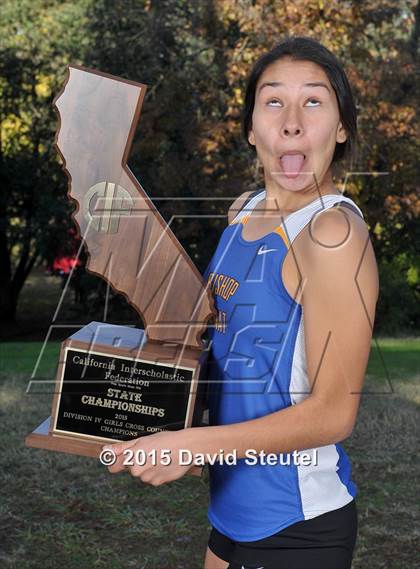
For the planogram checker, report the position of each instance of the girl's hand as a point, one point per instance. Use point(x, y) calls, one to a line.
point(154, 459)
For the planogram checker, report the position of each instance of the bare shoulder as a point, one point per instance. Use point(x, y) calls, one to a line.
point(337, 227)
point(237, 205)
point(340, 290)
point(336, 245)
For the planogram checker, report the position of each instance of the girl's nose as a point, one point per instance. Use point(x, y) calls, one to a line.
point(291, 130)
point(292, 124)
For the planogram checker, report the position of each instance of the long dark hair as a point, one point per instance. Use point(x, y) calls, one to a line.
point(307, 49)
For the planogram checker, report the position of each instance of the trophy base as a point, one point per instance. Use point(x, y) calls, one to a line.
point(43, 438)
point(112, 385)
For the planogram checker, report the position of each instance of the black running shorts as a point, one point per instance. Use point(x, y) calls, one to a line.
point(324, 542)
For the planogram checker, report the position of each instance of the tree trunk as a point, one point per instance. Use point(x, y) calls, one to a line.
point(11, 286)
point(7, 302)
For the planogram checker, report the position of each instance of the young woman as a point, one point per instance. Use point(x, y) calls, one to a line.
point(295, 284)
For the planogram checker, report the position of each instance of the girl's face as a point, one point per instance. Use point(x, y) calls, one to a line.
point(295, 124)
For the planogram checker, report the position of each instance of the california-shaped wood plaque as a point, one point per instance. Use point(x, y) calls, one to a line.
point(115, 382)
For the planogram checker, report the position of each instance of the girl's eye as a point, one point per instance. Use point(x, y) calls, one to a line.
point(272, 101)
point(313, 100)
point(276, 101)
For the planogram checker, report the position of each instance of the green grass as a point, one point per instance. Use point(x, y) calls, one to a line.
point(396, 359)
point(22, 358)
point(65, 511)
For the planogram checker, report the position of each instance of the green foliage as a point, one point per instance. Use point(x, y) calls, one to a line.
point(195, 57)
point(38, 40)
point(169, 46)
point(398, 309)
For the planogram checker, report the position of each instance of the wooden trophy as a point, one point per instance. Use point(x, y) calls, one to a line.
point(116, 383)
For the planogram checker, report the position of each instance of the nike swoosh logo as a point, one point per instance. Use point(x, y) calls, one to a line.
point(262, 251)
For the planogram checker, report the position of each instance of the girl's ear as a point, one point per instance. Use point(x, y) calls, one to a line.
point(341, 133)
point(251, 137)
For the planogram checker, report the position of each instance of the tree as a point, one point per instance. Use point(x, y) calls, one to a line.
point(195, 57)
point(38, 40)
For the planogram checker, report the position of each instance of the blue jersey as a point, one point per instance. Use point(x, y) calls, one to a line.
point(258, 366)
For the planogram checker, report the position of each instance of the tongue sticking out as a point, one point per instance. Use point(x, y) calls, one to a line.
point(292, 164)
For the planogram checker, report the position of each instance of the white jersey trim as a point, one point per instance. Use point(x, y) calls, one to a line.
point(295, 222)
point(249, 207)
point(321, 489)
